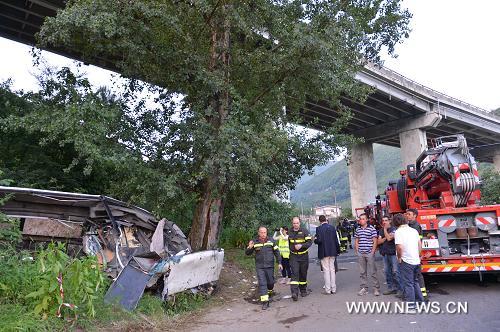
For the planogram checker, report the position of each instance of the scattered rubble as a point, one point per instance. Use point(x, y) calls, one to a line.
point(132, 247)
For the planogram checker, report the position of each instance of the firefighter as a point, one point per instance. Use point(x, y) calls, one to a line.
point(347, 226)
point(354, 225)
point(344, 237)
point(300, 241)
point(411, 216)
point(265, 252)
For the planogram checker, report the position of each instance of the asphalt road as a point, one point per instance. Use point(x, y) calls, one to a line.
point(318, 312)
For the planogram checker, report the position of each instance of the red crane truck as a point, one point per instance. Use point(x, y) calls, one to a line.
point(459, 234)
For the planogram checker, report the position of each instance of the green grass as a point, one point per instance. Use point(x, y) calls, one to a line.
point(15, 317)
point(238, 256)
point(19, 277)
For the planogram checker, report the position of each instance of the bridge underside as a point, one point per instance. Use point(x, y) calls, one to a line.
point(399, 112)
point(380, 109)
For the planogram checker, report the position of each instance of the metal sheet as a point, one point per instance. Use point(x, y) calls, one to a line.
point(193, 270)
point(128, 288)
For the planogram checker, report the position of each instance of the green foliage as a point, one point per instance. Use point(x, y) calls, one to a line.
point(346, 213)
point(223, 73)
point(39, 151)
point(16, 317)
point(34, 285)
point(183, 302)
point(81, 278)
point(85, 283)
point(490, 189)
point(51, 263)
point(10, 232)
point(68, 137)
point(246, 215)
point(235, 237)
point(238, 255)
point(18, 277)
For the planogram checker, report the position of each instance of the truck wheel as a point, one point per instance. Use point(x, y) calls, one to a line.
point(401, 189)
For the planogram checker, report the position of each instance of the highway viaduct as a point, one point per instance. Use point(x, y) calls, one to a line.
point(399, 112)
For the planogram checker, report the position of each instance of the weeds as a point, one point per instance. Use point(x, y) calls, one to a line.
point(235, 237)
point(238, 256)
point(30, 290)
point(35, 285)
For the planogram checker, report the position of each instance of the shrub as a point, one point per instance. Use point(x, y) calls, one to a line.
point(81, 279)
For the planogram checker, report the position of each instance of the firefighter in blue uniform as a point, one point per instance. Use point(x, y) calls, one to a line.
point(300, 241)
point(266, 251)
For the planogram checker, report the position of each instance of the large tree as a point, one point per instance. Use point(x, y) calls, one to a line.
point(229, 76)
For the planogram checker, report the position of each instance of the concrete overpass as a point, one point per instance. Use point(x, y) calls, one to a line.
point(403, 113)
point(399, 112)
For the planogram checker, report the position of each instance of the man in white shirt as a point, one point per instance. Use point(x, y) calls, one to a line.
point(408, 247)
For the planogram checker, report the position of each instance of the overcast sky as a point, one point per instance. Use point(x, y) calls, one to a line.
point(454, 47)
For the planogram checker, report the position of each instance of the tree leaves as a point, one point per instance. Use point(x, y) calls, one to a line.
point(228, 77)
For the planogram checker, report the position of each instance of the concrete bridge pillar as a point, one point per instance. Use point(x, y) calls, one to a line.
point(496, 159)
point(413, 142)
point(362, 179)
point(413, 138)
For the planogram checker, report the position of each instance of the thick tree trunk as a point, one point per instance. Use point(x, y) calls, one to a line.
point(207, 221)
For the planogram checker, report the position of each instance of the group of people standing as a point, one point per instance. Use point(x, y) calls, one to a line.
point(293, 258)
point(398, 241)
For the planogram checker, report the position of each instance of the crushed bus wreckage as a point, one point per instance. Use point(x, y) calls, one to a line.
point(131, 245)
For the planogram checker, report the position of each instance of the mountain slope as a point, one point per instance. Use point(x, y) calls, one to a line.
point(316, 171)
point(321, 188)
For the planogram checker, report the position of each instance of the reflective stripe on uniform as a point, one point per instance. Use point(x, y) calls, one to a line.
point(275, 247)
point(258, 245)
point(302, 282)
point(264, 298)
point(300, 252)
point(297, 241)
point(294, 282)
point(308, 238)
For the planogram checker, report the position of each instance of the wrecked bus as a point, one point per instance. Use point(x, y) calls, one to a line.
point(133, 248)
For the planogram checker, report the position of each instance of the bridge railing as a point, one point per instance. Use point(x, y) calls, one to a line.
point(439, 96)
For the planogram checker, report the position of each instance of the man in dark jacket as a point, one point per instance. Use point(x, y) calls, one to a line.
point(300, 241)
point(328, 250)
point(266, 251)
